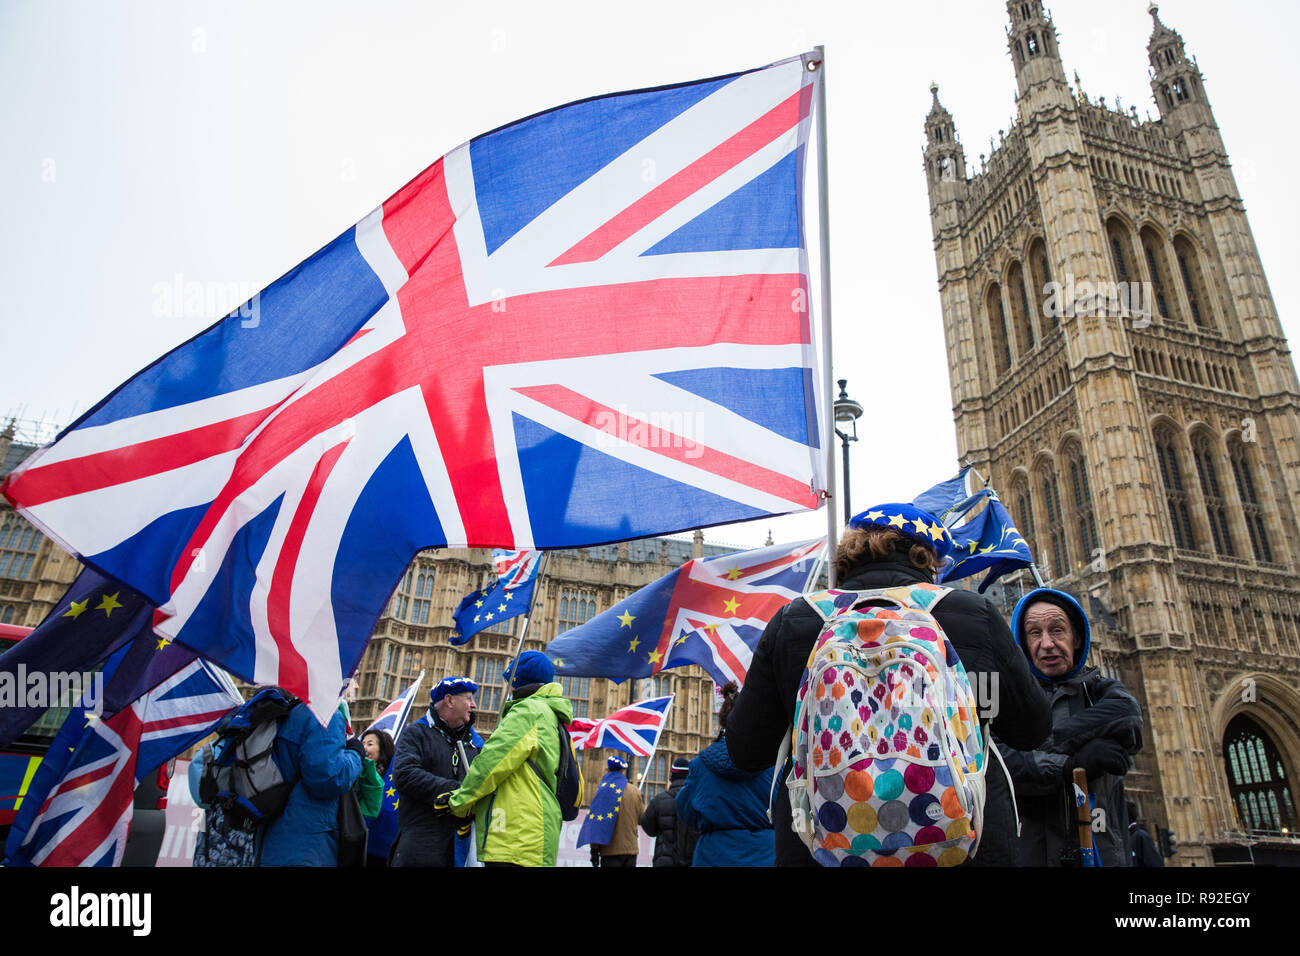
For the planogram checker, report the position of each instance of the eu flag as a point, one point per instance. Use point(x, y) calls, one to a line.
point(510, 596)
point(984, 536)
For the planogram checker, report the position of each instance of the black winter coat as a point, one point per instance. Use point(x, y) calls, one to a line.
point(427, 763)
point(674, 841)
point(1084, 707)
point(764, 712)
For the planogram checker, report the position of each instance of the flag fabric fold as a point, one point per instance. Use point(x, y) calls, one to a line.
point(710, 612)
point(95, 617)
point(78, 809)
point(635, 728)
point(587, 326)
point(510, 596)
point(984, 536)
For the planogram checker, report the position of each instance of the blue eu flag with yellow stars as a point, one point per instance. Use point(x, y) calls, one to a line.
point(598, 828)
point(984, 536)
point(510, 596)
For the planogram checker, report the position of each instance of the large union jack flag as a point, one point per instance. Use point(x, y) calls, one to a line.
point(78, 809)
point(635, 729)
point(710, 611)
point(587, 326)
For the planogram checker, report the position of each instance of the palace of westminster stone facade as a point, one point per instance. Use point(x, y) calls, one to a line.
point(1141, 422)
point(1120, 375)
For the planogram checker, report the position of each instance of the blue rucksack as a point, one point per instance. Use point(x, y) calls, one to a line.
point(242, 777)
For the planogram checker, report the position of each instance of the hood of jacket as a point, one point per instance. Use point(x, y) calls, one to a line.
point(716, 758)
point(548, 695)
point(1072, 609)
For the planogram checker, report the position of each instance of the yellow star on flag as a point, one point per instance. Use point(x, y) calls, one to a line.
point(478, 603)
point(108, 602)
point(396, 802)
point(682, 639)
point(626, 619)
point(391, 791)
point(733, 574)
point(558, 662)
point(632, 647)
point(508, 595)
point(501, 608)
point(730, 604)
point(897, 521)
point(163, 642)
point(710, 627)
point(75, 608)
point(488, 616)
point(655, 657)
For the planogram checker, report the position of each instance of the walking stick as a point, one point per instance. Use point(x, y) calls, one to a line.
point(1083, 810)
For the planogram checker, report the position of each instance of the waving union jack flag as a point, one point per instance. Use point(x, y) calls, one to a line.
point(587, 326)
point(392, 718)
point(78, 809)
point(710, 611)
point(635, 729)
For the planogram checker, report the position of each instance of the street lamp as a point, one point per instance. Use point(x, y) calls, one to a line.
point(847, 412)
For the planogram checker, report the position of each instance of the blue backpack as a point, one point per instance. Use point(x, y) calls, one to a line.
point(242, 777)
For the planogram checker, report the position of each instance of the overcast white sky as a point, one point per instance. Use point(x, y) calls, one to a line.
point(224, 142)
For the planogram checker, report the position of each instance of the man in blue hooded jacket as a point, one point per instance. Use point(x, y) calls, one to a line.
point(1096, 725)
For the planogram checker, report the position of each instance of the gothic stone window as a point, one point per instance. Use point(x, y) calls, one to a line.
point(1082, 496)
point(1020, 314)
point(491, 685)
point(1153, 248)
point(578, 690)
point(998, 329)
point(1024, 516)
point(1257, 779)
point(1215, 506)
point(421, 602)
point(1055, 524)
point(1189, 267)
point(1253, 513)
point(1175, 494)
point(576, 607)
point(19, 542)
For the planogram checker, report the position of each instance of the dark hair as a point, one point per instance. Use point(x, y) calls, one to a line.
point(861, 545)
point(730, 692)
point(386, 749)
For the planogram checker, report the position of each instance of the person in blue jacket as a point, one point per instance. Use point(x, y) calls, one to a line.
point(726, 805)
point(325, 764)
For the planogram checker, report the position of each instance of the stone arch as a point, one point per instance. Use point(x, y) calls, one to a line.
point(999, 335)
point(1021, 505)
point(1122, 248)
point(1039, 271)
point(1081, 514)
point(1022, 317)
point(1190, 269)
point(1274, 705)
point(1156, 260)
point(1046, 482)
point(1211, 463)
point(1174, 469)
point(1255, 503)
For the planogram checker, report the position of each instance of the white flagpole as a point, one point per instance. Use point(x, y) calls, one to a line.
point(662, 727)
point(519, 648)
point(823, 192)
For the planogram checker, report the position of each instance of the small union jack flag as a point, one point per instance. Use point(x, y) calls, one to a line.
point(78, 809)
point(393, 717)
point(635, 729)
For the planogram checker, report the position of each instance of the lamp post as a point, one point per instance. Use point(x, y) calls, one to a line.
point(847, 413)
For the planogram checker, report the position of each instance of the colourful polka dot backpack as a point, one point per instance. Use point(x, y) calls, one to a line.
point(888, 758)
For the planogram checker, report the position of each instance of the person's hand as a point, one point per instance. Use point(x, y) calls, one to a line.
point(1099, 756)
point(442, 802)
point(354, 744)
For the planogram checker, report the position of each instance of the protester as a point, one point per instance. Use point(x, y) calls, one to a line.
point(728, 806)
point(885, 547)
point(378, 746)
point(432, 757)
point(1141, 846)
point(610, 827)
point(1096, 724)
point(325, 765)
point(674, 840)
point(514, 778)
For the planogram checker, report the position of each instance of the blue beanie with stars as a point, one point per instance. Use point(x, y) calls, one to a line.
point(911, 522)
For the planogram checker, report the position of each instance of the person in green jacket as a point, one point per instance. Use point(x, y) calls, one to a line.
point(510, 787)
